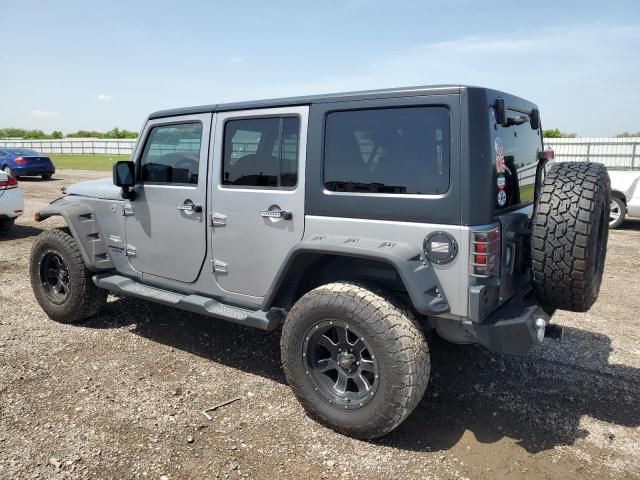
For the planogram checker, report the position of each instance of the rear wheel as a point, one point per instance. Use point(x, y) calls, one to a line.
point(61, 281)
point(356, 360)
point(569, 235)
point(46, 176)
point(8, 171)
point(617, 212)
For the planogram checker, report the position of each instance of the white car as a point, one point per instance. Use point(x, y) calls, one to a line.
point(11, 202)
point(625, 195)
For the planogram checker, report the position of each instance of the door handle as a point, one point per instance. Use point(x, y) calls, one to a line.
point(189, 207)
point(283, 214)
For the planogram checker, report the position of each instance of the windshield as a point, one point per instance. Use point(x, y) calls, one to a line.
point(25, 152)
point(515, 151)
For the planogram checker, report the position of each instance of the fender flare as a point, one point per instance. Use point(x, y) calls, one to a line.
point(417, 274)
point(82, 223)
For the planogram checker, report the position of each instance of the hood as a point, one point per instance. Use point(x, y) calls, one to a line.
point(102, 188)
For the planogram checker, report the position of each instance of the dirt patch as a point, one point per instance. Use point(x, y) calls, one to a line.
point(121, 395)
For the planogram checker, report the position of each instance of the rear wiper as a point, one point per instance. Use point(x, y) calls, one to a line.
point(501, 116)
point(515, 121)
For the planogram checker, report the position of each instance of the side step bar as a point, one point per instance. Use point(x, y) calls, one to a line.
point(192, 303)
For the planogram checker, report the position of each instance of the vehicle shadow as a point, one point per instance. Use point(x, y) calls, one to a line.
point(17, 232)
point(538, 400)
point(39, 179)
point(632, 223)
point(248, 349)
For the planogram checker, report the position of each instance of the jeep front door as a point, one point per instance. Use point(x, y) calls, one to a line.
point(257, 195)
point(165, 226)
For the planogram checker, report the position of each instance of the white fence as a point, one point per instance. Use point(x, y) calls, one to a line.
point(75, 147)
point(615, 153)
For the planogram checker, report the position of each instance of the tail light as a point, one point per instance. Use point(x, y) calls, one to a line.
point(485, 253)
point(548, 155)
point(11, 182)
point(19, 160)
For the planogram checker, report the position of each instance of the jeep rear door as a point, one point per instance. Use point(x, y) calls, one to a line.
point(257, 196)
point(165, 224)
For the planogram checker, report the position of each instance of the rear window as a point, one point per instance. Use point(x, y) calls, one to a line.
point(515, 155)
point(393, 151)
point(25, 152)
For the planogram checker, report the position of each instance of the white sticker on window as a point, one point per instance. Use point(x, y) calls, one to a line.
point(502, 198)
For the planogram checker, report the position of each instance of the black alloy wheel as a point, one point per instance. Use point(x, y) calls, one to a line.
point(341, 364)
point(54, 276)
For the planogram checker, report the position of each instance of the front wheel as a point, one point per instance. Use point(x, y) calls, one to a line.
point(617, 212)
point(355, 359)
point(61, 281)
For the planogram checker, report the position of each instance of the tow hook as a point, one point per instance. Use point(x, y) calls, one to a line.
point(548, 330)
point(540, 328)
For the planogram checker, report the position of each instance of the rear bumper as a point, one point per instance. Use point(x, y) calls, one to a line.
point(510, 329)
point(633, 207)
point(11, 203)
point(28, 170)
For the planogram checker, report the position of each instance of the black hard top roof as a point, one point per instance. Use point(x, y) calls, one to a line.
point(307, 100)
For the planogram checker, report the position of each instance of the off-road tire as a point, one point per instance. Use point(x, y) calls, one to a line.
point(84, 299)
point(6, 224)
point(622, 208)
point(397, 340)
point(569, 235)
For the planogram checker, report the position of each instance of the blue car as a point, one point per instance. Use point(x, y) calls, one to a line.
point(23, 162)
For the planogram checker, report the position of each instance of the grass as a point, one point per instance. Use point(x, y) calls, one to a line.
point(101, 163)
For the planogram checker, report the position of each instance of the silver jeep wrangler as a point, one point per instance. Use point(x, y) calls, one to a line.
point(357, 222)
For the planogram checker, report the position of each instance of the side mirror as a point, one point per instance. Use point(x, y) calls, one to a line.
point(124, 176)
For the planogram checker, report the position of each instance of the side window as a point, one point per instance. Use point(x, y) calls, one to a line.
point(172, 154)
point(261, 152)
point(392, 150)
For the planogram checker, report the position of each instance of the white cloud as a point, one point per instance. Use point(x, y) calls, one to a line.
point(104, 98)
point(237, 59)
point(574, 74)
point(42, 114)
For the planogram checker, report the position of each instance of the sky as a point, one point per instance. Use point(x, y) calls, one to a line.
point(69, 65)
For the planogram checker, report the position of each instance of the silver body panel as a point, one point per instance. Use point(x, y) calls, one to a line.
point(248, 247)
point(169, 242)
point(453, 276)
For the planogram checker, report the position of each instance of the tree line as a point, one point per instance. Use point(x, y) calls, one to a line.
point(57, 134)
point(557, 133)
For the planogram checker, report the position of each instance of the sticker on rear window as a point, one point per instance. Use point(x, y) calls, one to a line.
point(501, 181)
point(502, 198)
point(501, 167)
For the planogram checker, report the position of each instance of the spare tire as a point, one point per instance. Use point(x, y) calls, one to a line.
point(569, 235)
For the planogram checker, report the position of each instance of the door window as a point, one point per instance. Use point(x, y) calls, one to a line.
point(261, 152)
point(172, 154)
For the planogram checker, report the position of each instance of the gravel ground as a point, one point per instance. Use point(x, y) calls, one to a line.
point(121, 395)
